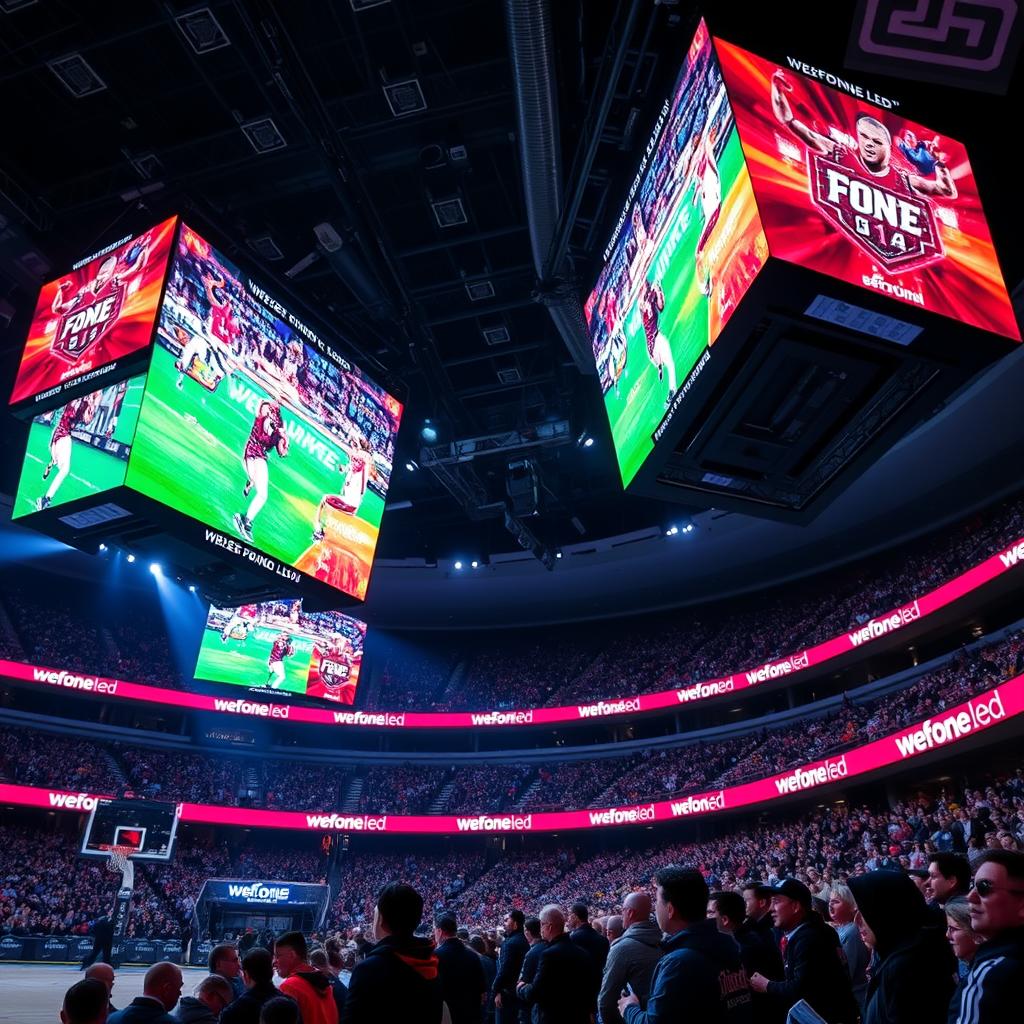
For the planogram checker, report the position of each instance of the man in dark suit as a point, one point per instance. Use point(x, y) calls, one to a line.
point(161, 989)
point(565, 987)
point(582, 932)
point(102, 942)
point(85, 1003)
point(462, 975)
point(510, 963)
point(531, 929)
point(258, 976)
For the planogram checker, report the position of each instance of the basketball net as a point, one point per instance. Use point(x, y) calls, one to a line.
point(120, 862)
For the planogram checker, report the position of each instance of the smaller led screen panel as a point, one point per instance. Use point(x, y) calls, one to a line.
point(686, 248)
point(277, 648)
point(252, 426)
point(861, 194)
point(79, 449)
point(95, 315)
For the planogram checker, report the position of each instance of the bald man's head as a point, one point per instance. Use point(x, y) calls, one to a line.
point(636, 907)
point(102, 972)
point(613, 927)
point(552, 922)
point(163, 981)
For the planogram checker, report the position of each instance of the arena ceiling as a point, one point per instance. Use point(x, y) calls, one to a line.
point(395, 122)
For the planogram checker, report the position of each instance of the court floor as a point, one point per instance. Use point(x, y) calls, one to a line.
point(32, 993)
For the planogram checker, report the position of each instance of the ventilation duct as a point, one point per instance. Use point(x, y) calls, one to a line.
point(531, 51)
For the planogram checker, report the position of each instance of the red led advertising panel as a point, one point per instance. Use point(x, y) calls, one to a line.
point(848, 189)
point(869, 631)
point(98, 313)
point(945, 730)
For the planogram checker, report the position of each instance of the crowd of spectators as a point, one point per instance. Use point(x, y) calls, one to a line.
point(658, 651)
point(58, 893)
point(689, 767)
point(46, 889)
point(543, 667)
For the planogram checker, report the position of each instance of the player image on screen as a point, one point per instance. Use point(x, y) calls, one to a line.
point(856, 191)
point(95, 315)
point(248, 428)
point(873, 199)
point(267, 433)
point(275, 663)
point(79, 449)
point(686, 248)
point(278, 647)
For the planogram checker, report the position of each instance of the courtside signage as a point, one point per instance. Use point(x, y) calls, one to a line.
point(872, 629)
point(987, 709)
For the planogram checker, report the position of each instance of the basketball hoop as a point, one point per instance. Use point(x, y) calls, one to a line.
point(119, 862)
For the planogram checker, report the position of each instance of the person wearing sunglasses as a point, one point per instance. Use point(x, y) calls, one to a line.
point(991, 993)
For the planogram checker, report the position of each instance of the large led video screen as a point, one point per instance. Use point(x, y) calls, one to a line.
point(857, 192)
point(686, 247)
point(80, 449)
point(251, 425)
point(276, 647)
point(95, 315)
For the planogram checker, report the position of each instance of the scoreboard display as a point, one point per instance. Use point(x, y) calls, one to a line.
point(95, 316)
point(687, 246)
point(276, 648)
point(216, 414)
point(251, 429)
point(864, 195)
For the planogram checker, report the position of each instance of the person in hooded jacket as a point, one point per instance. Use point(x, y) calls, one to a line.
point(631, 959)
point(700, 978)
point(398, 979)
point(302, 982)
point(914, 973)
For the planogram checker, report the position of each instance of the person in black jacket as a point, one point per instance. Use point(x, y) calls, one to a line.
point(531, 929)
point(582, 932)
point(912, 979)
point(758, 953)
point(564, 988)
point(700, 978)
point(462, 974)
point(510, 963)
point(489, 962)
point(258, 975)
point(398, 979)
point(991, 993)
point(102, 942)
point(815, 967)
